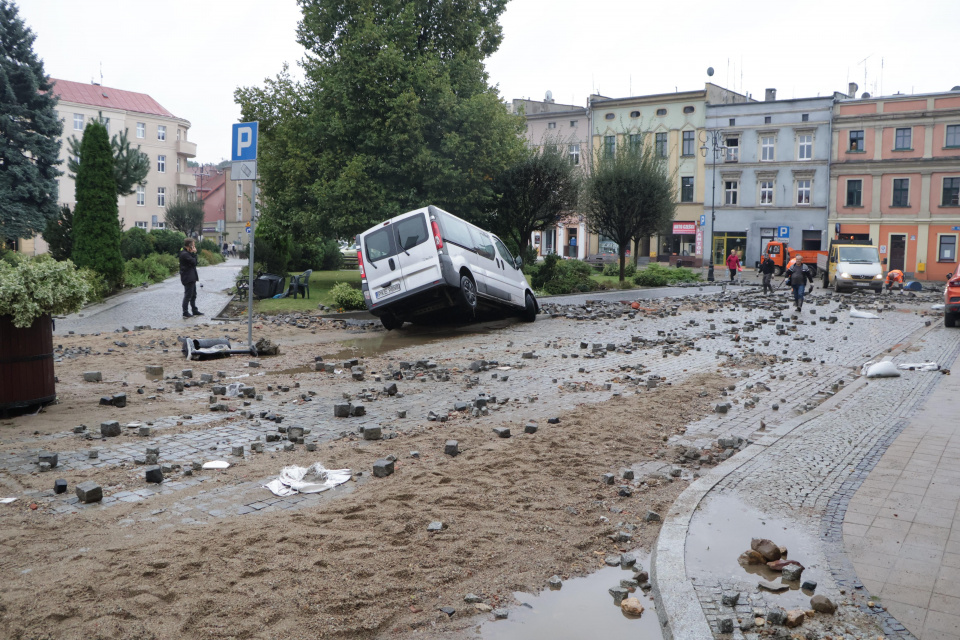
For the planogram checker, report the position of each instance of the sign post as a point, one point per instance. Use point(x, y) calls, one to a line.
point(244, 156)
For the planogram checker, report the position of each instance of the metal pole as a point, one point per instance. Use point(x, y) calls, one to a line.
point(713, 211)
point(253, 217)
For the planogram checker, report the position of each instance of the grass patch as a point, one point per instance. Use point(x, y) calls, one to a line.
point(612, 282)
point(321, 284)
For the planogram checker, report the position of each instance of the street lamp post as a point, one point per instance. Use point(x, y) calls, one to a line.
point(712, 140)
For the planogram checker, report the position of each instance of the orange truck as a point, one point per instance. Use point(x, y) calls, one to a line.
point(782, 254)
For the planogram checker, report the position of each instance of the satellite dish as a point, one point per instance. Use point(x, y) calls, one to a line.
point(864, 95)
point(709, 71)
point(549, 95)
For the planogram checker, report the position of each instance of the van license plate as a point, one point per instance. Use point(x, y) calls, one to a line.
point(383, 293)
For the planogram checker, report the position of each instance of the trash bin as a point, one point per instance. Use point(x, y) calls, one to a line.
point(268, 285)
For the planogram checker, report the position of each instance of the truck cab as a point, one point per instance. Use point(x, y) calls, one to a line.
point(850, 265)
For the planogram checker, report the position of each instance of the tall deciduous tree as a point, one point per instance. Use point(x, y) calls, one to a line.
point(96, 225)
point(629, 194)
point(395, 112)
point(130, 166)
point(29, 131)
point(534, 193)
point(185, 216)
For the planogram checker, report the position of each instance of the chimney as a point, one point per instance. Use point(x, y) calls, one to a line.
point(852, 92)
point(771, 95)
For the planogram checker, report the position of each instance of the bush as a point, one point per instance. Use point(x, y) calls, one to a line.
point(613, 269)
point(153, 268)
point(170, 262)
point(209, 257)
point(210, 246)
point(319, 255)
point(42, 285)
point(98, 286)
point(275, 254)
point(657, 275)
point(556, 276)
point(167, 241)
point(135, 243)
point(346, 297)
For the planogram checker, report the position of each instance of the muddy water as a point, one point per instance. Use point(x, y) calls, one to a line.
point(581, 609)
point(722, 529)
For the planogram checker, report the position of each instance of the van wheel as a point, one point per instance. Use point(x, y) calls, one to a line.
point(529, 313)
point(813, 270)
point(949, 320)
point(468, 295)
point(390, 322)
point(826, 280)
point(778, 271)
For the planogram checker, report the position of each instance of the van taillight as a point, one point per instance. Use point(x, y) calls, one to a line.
point(363, 274)
point(436, 235)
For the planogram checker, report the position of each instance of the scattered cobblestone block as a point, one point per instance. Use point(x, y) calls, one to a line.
point(48, 457)
point(154, 371)
point(110, 429)
point(652, 516)
point(92, 376)
point(530, 427)
point(59, 486)
point(237, 451)
point(89, 492)
point(382, 468)
point(372, 433)
point(608, 478)
point(451, 448)
point(154, 474)
point(435, 527)
point(502, 432)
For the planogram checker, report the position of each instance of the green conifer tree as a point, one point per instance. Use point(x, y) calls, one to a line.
point(96, 232)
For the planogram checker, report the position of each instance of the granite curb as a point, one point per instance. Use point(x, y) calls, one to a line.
point(678, 607)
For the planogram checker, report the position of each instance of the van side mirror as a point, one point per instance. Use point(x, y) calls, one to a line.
point(518, 262)
point(948, 276)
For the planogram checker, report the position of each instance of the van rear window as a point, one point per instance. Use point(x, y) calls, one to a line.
point(379, 244)
point(412, 231)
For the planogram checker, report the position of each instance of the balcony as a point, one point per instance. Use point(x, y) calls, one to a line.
point(188, 149)
point(185, 179)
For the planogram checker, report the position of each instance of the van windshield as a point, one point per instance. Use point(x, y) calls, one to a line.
point(862, 255)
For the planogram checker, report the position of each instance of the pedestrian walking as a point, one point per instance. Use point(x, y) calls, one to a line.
point(797, 276)
point(894, 276)
point(733, 264)
point(189, 278)
point(233, 250)
point(766, 268)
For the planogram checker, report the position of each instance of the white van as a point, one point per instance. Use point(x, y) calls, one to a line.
point(426, 260)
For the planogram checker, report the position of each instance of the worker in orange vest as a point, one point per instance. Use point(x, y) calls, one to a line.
point(790, 264)
point(894, 275)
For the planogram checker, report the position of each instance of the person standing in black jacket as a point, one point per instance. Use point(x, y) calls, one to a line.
point(797, 276)
point(189, 277)
point(766, 268)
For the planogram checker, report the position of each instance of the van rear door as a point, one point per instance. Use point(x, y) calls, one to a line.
point(384, 275)
point(416, 251)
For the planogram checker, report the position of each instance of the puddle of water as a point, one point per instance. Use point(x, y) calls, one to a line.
point(581, 609)
point(722, 529)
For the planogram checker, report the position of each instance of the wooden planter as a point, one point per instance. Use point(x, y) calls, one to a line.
point(26, 364)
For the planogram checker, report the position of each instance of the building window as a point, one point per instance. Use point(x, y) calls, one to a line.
point(730, 189)
point(688, 109)
point(947, 251)
point(766, 192)
point(178, 134)
point(688, 143)
point(804, 117)
point(636, 141)
point(733, 149)
point(660, 142)
point(141, 195)
point(141, 129)
point(609, 146)
point(951, 192)
point(854, 193)
point(661, 112)
point(161, 196)
point(161, 132)
point(766, 149)
point(178, 165)
point(159, 225)
point(78, 122)
point(733, 122)
point(686, 189)
point(574, 151)
point(239, 201)
point(953, 135)
point(901, 192)
point(902, 141)
point(634, 114)
point(573, 124)
point(856, 140)
point(767, 119)
point(141, 224)
point(161, 164)
point(610, 116)
point(805, 146)
point(803, 191)
point(551, 125)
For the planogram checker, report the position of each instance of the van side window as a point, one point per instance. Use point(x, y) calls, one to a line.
point(503, 251)
point(482, 244)
point(455, 231)
point(379, 244)
point(412, 231)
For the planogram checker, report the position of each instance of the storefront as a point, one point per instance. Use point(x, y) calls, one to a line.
point(726, 241)
point(680, 244)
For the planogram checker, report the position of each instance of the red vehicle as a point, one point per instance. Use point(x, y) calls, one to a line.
point(783, 254)
point(951, 299)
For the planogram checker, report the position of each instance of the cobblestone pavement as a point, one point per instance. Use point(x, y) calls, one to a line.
point(580, 355)
point(158, 305)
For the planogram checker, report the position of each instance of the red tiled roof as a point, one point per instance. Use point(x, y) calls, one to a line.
point(98, 96)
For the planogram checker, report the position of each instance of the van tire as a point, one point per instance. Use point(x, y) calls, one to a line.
point(826, 280)
point(468, 295)
point(778, 271)
point(949, 320)
point(390, 322)
point(529, 313)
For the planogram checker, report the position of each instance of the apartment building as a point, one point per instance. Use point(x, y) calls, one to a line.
point(895, 178)
point(770, 177)
point(158, 133)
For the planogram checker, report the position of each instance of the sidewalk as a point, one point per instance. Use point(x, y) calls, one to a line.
point(902, 528)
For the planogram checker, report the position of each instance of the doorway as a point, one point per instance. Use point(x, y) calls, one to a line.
point(898, 251)
point(724, 243)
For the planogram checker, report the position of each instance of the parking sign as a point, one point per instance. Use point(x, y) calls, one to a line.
point(244, 142)
point(783, 232)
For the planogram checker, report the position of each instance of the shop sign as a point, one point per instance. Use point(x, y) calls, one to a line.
point(684, 228)
point(699, 250)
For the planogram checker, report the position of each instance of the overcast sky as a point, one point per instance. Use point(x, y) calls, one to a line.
point(190, 56)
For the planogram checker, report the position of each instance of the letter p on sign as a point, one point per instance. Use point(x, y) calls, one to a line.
point(244, 141)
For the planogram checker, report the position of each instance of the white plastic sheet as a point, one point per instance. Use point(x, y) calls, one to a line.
point(866, 315)
point(216, 464)
point(919, 366)
point(885, 369)
point(7, 500)
point(312, 479)
point(937, 307)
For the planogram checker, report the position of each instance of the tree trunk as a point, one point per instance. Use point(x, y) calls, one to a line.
point(623, 261)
